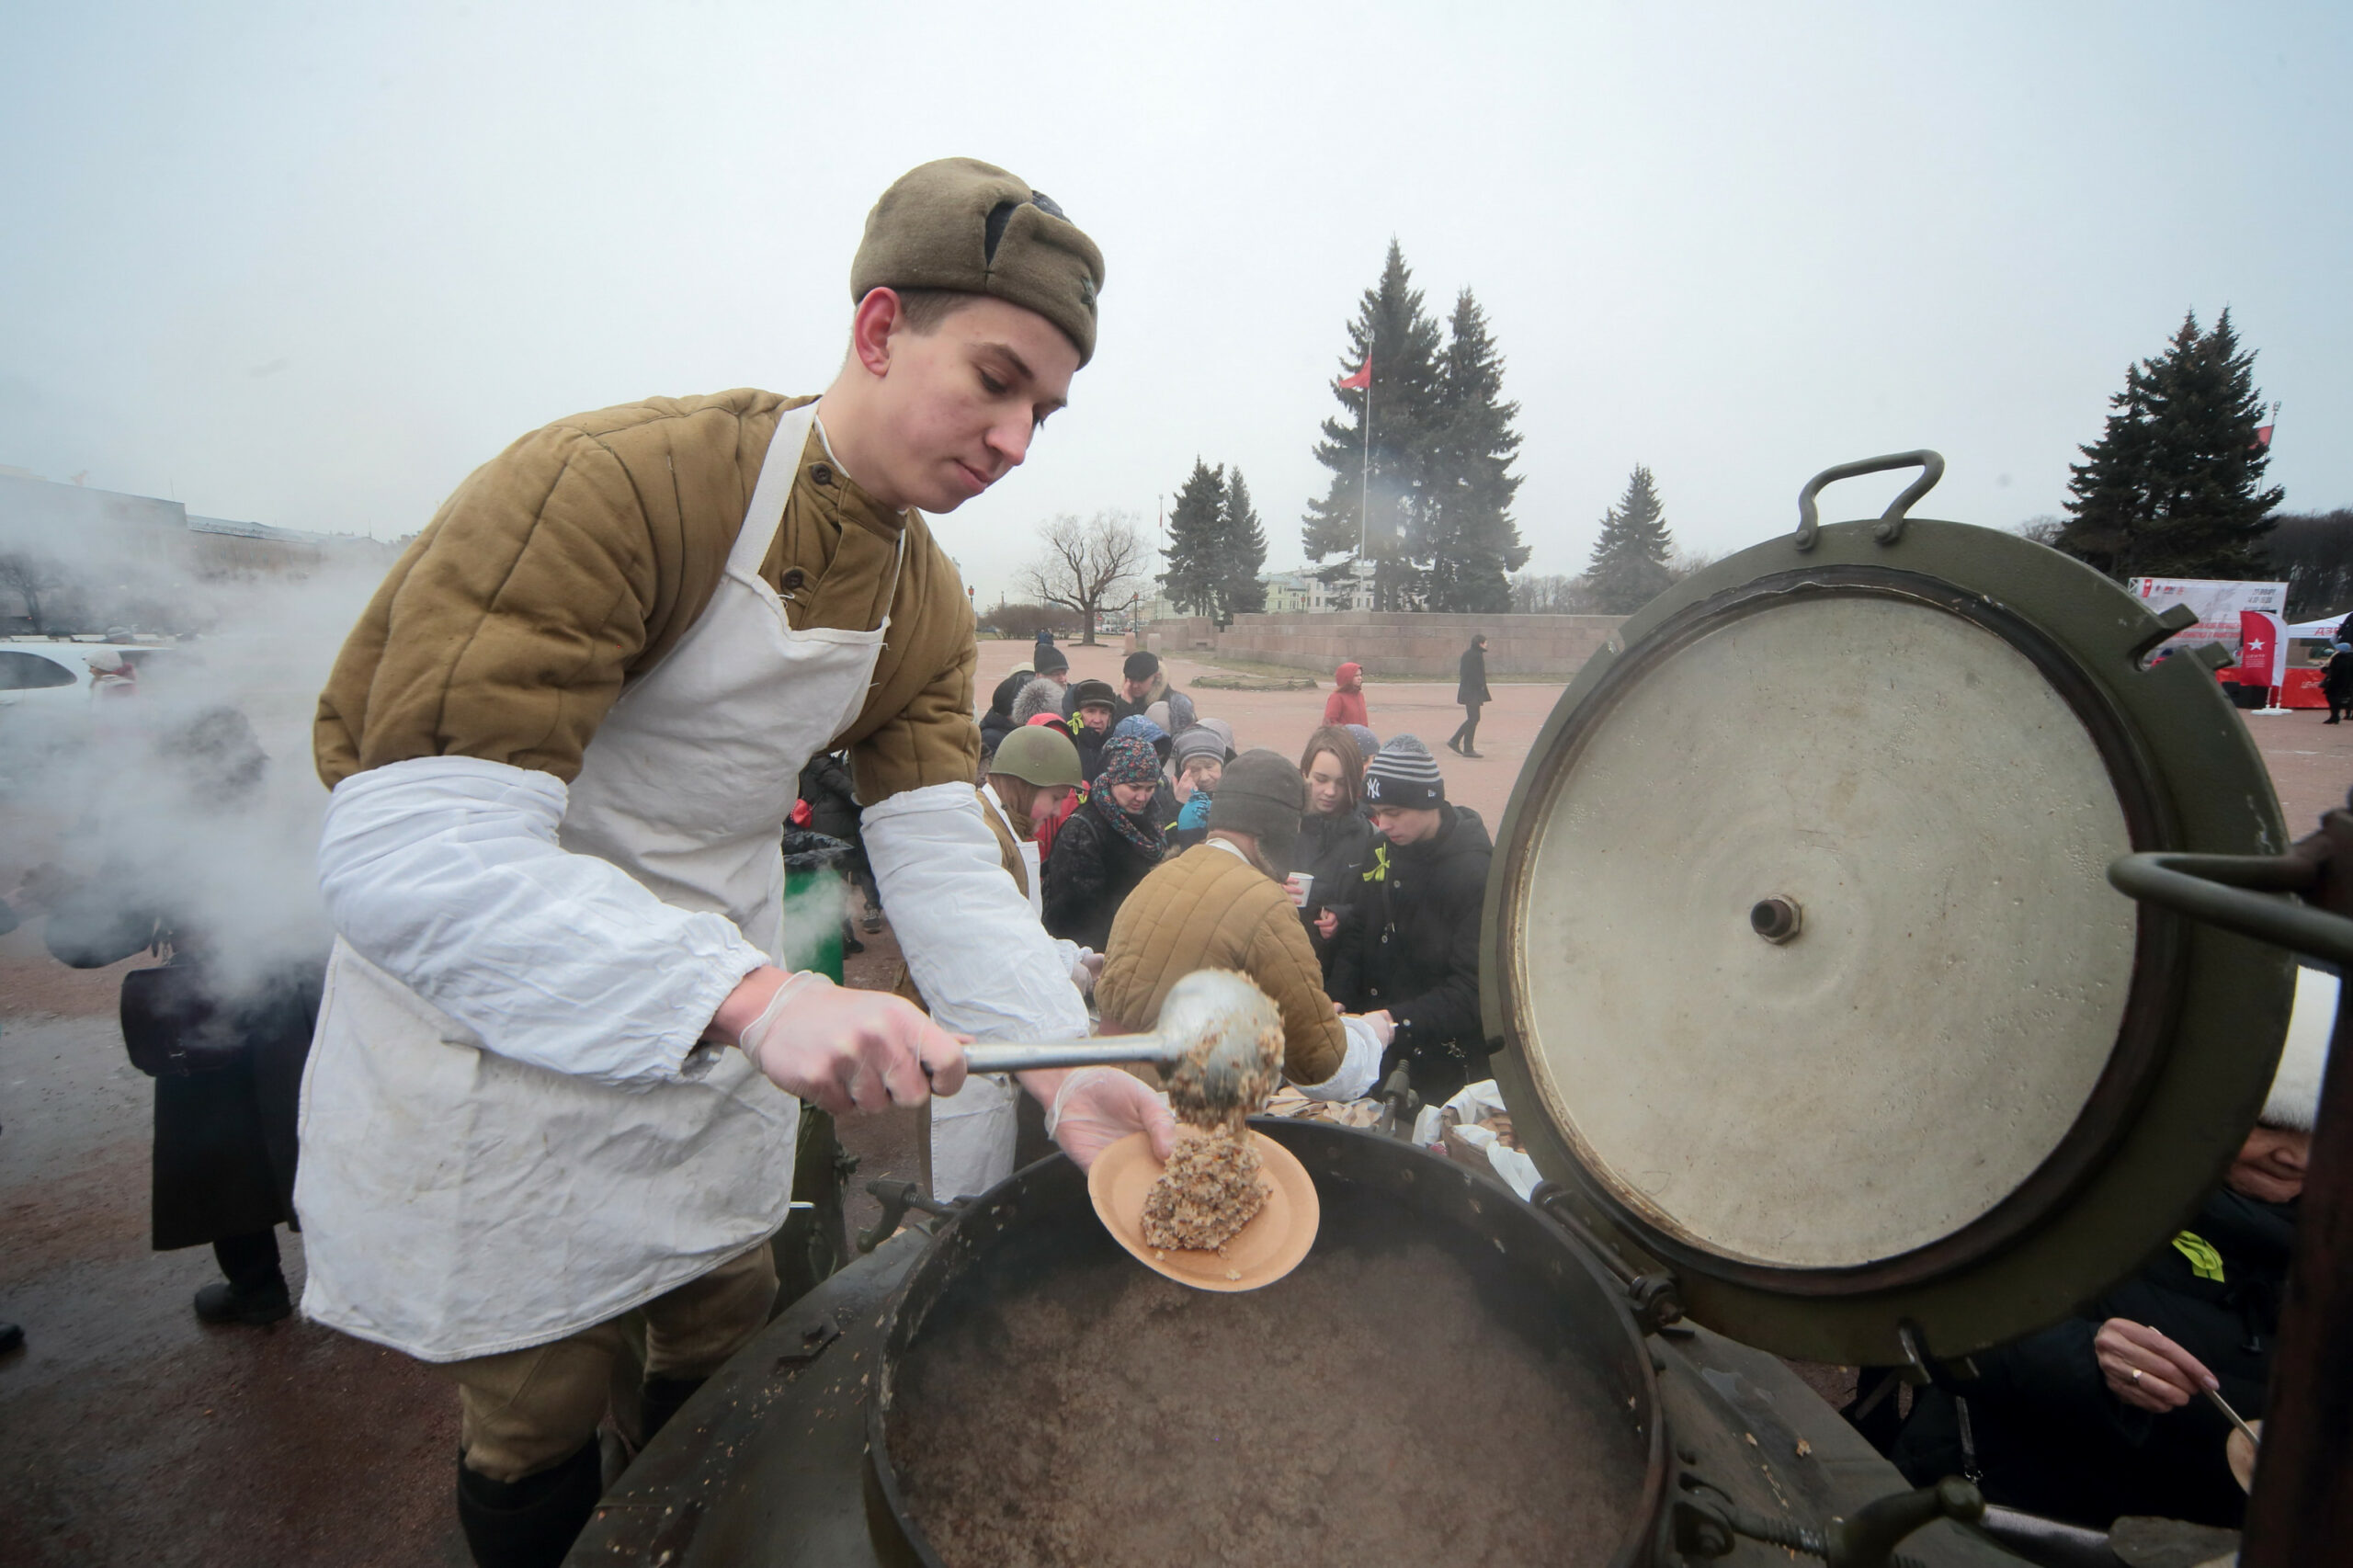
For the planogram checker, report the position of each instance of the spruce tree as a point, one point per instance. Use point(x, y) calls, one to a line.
point(2172, 487)
point(1629, 566)
point(1402, 341)
point(1468, 535)
point(1242, 553)
point(1196, 541)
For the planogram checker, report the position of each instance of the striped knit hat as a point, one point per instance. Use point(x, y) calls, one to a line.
point(1404, 774)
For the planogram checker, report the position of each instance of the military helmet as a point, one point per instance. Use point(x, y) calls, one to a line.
point(1037, 754)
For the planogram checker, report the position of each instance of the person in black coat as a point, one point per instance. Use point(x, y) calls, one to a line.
point(2336, 682)
point(1106, 847)
point(1335, 841)
point(1409, 946)
point(2105, 1414)
point(1471, 692)
point(832, 799)
point(223, 1031)
point(1090, 704)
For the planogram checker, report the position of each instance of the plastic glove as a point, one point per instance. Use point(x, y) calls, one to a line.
point(843, 1050)
point(1086, 969)
point(1097, 1106)
point(1383, 1027)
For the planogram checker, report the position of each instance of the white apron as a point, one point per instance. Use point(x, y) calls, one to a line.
point(456, 1202)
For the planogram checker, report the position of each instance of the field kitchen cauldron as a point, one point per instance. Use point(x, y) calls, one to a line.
point(1811, 996)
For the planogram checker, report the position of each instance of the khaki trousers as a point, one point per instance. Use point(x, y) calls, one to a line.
point(523, 1411)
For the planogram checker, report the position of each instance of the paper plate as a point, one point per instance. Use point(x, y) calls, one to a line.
point(2240, 1453)
point(1262, 1252)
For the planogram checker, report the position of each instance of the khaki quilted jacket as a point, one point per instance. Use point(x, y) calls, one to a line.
point(583, 552)
point(1210, 909)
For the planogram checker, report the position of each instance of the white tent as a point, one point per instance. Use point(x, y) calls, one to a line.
point(2325, 628)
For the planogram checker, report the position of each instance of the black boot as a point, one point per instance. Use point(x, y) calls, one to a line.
point(223, 1301)
point(529, 1523)
point(254, 1292)
point(11, 1336)
point(661, 1400)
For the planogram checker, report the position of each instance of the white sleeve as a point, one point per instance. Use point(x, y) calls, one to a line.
point(445, 873)
point(1071, 956)
point(1358, 1070)
point(985, 966)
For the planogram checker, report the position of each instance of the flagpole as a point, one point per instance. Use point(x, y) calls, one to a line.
point(1364, 500)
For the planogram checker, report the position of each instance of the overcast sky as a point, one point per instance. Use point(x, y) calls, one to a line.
point(309, 265)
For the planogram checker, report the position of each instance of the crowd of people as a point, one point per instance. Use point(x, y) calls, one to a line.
point(1163, 845)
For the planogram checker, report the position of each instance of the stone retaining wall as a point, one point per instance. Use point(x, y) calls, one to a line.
point(1393, 646)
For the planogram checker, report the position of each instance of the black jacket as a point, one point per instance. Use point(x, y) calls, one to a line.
point(833, 798)
point(224, 1142)
point(2052, 1439)
point(1410, 945)
point(1471, 682)
point(1089, 876)
point(1090, 743)
point(2336, 677)
point(1336, 850)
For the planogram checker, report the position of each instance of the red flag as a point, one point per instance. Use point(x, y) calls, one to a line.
point(2262, 434)
point(1362, 378)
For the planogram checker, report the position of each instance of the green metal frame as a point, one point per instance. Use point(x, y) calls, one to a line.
point(2213, 1007)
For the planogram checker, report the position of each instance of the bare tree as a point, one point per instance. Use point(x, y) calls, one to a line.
point(1087, 566)
point(28, 577)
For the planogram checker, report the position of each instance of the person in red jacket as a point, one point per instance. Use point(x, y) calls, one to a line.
point(1345, 705)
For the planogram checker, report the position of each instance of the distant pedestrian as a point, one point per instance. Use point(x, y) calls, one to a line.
point(1045, 638)
point(2336, 682)
point(1471, 692)
point(1345, 705)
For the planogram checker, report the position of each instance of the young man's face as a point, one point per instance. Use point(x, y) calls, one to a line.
point(1405, 824)
point(1059, 678)
point(957, 406)
point(1096, 717)
point(1048, 800)
point(1136, 688)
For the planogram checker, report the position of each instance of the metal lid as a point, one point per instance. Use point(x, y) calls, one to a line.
point(1813, 985)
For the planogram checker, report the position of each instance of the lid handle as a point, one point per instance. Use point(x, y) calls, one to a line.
point(1890, 522)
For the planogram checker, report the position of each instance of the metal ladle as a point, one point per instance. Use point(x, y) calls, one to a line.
point(1214, 1025)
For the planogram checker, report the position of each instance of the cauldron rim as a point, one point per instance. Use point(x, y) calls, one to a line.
point(928, 1279)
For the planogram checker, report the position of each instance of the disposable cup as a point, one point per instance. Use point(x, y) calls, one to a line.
point(1300, 883)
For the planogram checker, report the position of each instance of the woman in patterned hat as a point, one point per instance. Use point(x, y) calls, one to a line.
point(1108, 847)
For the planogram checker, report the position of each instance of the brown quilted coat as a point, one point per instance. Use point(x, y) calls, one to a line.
point(583, 552)
point(1210, 909)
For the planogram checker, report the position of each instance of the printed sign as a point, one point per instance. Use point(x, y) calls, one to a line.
point(2217, 602)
